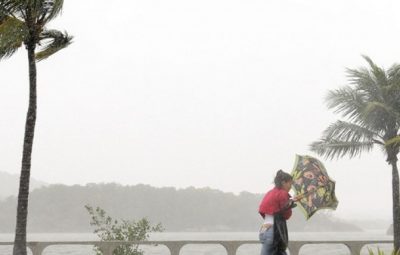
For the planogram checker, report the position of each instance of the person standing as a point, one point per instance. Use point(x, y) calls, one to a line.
point(276, 208)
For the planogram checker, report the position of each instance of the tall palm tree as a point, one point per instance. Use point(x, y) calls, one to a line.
point(370, 104)
point(23, 22)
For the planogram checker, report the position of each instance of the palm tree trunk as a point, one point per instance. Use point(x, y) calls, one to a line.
point(396, 205)
point(22, 209)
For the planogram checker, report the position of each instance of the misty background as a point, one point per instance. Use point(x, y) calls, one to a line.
point(60, 208)
point(217, 94)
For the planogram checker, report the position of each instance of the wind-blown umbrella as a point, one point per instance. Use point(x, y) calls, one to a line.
point(311, 180)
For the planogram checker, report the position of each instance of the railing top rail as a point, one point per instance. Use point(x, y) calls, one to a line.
point(196, 242)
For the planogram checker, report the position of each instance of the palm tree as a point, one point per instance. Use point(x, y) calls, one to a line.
point(22, 22)
point(370, 104)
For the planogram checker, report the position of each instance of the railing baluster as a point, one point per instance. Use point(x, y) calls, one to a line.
point(231, 247)
point(174, 247)
point(107, 248)
point(355, 247)
point(294, 247)
point(37, 248)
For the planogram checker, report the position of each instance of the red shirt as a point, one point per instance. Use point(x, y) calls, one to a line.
point(274, 201)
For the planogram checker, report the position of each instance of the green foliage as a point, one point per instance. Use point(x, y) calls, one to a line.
point(380, 252)
point(109, 229)
point(370, 104)
point(53, 41)
point(13, 32)
point(25, 22)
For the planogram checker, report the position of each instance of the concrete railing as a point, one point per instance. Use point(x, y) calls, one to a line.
point(175, 247)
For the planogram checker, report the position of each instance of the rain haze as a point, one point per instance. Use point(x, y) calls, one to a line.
point(218, 94)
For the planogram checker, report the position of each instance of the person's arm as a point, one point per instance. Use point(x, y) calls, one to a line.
point(285, 204)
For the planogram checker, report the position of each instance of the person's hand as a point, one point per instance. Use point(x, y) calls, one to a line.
point(298, 198)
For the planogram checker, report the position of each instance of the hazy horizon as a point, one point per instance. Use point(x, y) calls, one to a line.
point(213, 93)
point(38, 184)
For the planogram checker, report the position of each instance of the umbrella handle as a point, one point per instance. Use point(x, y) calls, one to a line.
point(301, 196)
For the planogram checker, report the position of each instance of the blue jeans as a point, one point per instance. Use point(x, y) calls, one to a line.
point(266, 239)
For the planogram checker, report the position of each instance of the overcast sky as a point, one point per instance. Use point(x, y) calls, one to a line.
point(217, 93)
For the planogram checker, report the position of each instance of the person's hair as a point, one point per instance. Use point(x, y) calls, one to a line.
point(280, 177)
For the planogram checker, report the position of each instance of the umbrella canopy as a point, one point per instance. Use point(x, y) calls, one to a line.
point(311, 180)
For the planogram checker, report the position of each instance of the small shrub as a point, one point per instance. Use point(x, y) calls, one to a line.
point(380, 252)
point(109, 229)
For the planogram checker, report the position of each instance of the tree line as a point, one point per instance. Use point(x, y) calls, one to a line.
point(61, 208)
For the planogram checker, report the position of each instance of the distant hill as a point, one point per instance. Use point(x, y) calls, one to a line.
point(9, 184)
point(60, 208)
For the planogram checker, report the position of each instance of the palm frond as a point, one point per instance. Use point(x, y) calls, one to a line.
point(347, 101)
point(380, 115)
point(49, 9)
point(394, 73)
point(379, 108)
point(331, 148)
point(13, 8)
point(362, 109)
point(53, 42)
point(346, 131)
point(9, 7)
point(394, 89)
point(13, 33)
point(395, 141)
point(364, 81)
point(371, 106)
point(378, 72)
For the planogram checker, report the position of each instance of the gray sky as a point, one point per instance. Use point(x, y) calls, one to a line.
point(217, 93)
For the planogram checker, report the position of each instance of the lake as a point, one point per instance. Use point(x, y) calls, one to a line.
point(321, 249)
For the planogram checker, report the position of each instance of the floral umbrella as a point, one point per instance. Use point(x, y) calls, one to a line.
point(311, 180)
